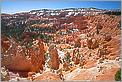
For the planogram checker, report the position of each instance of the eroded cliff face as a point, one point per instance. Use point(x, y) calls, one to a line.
point(15, 59)
point(90, 50)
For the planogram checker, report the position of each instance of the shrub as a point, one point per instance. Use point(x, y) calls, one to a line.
point(118, 75)
point(113, 13)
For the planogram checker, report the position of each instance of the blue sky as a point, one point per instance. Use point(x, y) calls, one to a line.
point(15, 6)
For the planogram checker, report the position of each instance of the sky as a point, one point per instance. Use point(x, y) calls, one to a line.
point(15, 6)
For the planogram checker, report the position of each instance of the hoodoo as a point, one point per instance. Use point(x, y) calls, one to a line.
point(61, 44)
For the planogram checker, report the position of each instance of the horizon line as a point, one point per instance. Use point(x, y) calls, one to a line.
point(59, 9)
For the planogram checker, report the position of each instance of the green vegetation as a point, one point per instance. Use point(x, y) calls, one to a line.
point(113, 13)
point(45, 37)
point(68, 57)
point(118, 75)
point(17, 32)
point(13, 30)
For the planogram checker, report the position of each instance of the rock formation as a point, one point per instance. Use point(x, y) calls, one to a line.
point(54, 61)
